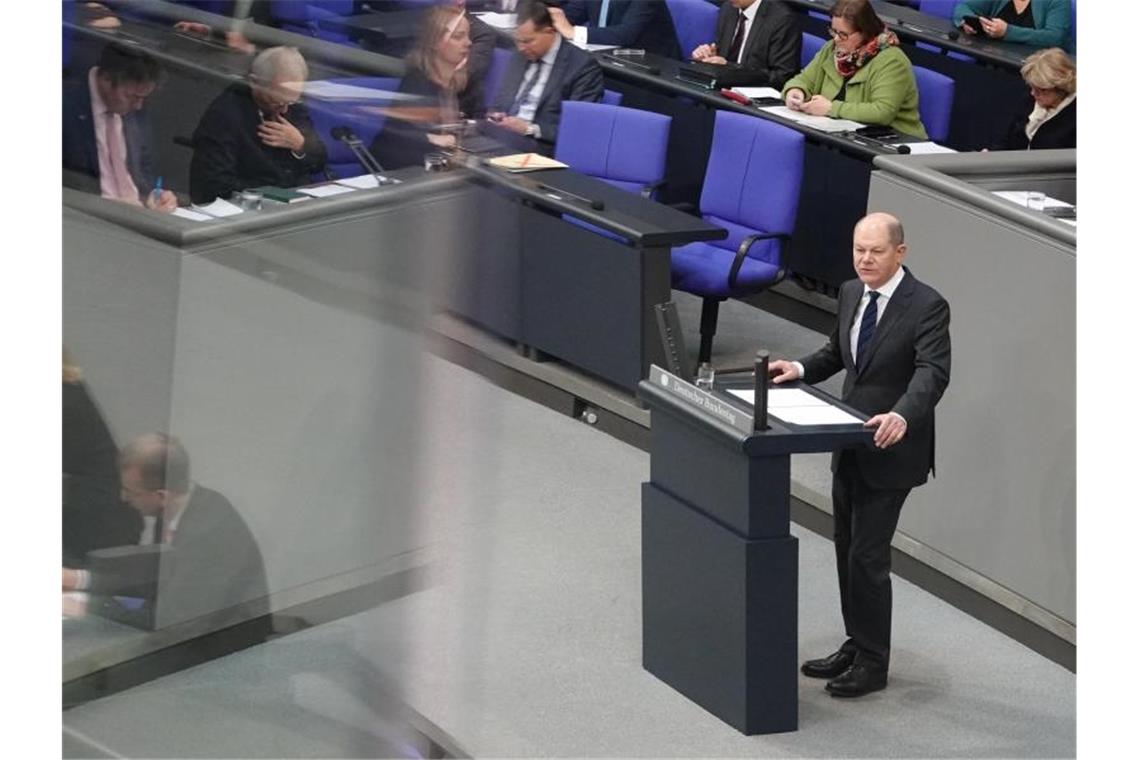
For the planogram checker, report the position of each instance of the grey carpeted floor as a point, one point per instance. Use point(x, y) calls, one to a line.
point(528, 643)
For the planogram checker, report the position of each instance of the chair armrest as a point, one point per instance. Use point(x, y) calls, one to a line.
point(649, 191)
point(742, 253)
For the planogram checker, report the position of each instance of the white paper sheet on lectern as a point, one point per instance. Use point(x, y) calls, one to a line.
point(799, 407)
point(781, 398)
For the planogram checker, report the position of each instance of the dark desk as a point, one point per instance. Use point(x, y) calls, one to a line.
point(568, 291)
point(837, 167)
point(390, 33)
point(988, 90)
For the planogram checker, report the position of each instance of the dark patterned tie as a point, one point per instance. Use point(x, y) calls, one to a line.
point(737, 39)
point(867, 329)
point(526, 89)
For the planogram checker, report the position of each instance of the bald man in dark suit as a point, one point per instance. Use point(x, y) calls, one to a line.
point(893, 339)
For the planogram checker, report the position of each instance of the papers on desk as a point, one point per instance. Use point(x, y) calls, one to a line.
point(525, 162)
point(798, 407)
point(363, 182)
point(194, 216)
point(594, 47)
point(499, 20)
point(1021, 198)
point(220, 208)
point(324, 90)
point(324, 191)
point(757, 93)
point(821, 123)
point(926, 148)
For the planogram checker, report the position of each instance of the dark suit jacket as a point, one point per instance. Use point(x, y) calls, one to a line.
point(80, 154)
point(906, 371)
point(575, 75)
point(229, 156)
point(403, 143)
point(644, 24)
point(772, 49)
point(473, 98)
point(94, 517)
point(212, 562)
point(1058, 132)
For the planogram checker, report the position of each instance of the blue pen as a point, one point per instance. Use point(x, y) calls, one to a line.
point(157, 192)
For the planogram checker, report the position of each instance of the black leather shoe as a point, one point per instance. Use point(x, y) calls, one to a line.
point(857, 681)
point(830, 666)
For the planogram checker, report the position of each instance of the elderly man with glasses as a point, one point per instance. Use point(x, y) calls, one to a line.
point(257, 134)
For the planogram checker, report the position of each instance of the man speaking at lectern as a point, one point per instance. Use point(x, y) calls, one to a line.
point(893, 338)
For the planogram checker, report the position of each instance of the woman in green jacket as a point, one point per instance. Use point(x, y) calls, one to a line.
point(861, 74)
point(1040, 23)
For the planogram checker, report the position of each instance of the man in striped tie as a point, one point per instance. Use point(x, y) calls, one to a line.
point(893, 338)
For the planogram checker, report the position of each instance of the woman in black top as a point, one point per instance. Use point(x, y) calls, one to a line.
point(437, 71)
point(1049, 119)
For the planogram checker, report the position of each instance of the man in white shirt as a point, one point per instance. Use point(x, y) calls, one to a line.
point(761, 36)
point(892, 336)
point(546, 73)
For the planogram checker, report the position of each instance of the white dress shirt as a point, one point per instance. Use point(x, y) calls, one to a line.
point(749, 16)
point(529, 106)
point(885, 293)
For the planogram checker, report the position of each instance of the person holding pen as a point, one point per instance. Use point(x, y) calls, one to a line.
point(107, 146)
point(861, 74)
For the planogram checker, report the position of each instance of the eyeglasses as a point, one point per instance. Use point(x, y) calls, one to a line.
point(835, 34)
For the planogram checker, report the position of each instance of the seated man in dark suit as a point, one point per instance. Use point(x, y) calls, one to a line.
point(106, 131)
point(762, 36)
point(209, 560)
point(548, 72)
point(644, 24)
point(259, 134)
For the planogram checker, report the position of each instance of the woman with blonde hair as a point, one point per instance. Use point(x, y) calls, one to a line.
point(1049, 119)
point(437, 72)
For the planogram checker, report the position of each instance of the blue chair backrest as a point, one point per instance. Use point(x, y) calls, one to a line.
point(308, 10)
point(811, 46)
point(327, 114)
point(493, 79)
point(942, 8)
point(935, 102)
point(624, 146)
point(752, 183)
point(695, 22)
point(612, 97)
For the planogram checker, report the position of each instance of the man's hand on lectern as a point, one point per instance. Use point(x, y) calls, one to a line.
point(890, 428)
point(782, 371)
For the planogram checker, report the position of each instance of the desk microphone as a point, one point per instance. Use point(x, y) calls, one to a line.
point(363, 155)
point(952, 34)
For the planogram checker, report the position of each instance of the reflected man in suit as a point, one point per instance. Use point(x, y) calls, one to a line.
point(106, 131)
point(763, 36)
point(892, 337)
point(642, 24)
point(547, 72)
point(210, 559)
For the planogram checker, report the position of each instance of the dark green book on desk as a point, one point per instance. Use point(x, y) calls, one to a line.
point(281, 194)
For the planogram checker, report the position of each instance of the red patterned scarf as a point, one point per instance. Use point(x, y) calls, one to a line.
point(848, 63)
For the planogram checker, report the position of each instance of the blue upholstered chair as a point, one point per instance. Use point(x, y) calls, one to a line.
point(327, 114)
point(304, 17)
point(752, 189)
point(612, 97)
point(493, 79)
point(942, 9)
point(811, 46)
point(695, 22)
point(935, 102)
point(623, 146)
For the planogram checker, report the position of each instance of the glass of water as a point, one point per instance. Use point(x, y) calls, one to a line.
point(1035, 201)
point(705, 376)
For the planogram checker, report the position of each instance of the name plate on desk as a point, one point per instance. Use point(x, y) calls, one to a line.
point(701, 399)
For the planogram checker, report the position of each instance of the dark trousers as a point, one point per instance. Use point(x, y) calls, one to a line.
point(865, 520)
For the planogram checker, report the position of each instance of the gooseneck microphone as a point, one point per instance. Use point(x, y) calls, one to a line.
point(363, 155)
